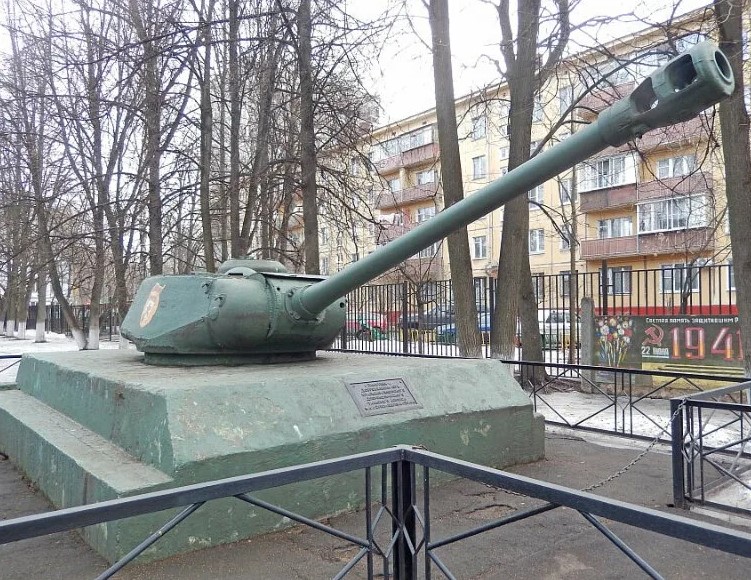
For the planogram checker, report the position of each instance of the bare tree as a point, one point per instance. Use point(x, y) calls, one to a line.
point(524, 76)
point(735, 147)
point(468, 335)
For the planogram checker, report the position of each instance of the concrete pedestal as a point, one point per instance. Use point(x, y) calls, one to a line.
point(90, 426)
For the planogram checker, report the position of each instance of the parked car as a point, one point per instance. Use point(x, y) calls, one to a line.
point(432, 318)
point(366, 324)
point(555, 328)
point(446, 333)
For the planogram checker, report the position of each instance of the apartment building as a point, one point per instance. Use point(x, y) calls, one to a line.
point(658, 204)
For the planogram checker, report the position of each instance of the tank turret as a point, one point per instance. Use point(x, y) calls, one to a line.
point(254, 311)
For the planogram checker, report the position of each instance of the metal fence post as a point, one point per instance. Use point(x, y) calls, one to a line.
point(403, 318)
point(402, 500)
point(676, 429)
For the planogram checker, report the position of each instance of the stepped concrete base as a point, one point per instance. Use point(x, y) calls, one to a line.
point(90, 426)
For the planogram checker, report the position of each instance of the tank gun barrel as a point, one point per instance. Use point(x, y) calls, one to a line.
point(678, 91)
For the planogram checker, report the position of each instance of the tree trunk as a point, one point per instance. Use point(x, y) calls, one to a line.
point(41, 321)
point(308, 161)
point(734, 123)
point(469, 341)
point(206, 142)
point(234, 131)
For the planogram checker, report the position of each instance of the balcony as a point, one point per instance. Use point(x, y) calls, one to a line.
point(608, 198)
point(408, 158)
point(677, 242)
point(609, 248)
point(698, 182)
point(389, 200)
point(389, 232)
point(691, 131)
point(599, 99)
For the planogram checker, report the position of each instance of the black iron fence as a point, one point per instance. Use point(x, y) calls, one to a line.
point(418, 318)
point(627, 402)
point(109, 320)
point(711, 432)
point(397, 539)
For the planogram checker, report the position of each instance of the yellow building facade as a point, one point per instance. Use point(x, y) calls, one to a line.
point(658, 205)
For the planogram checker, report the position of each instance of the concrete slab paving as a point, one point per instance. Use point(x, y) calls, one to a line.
point(556, 545)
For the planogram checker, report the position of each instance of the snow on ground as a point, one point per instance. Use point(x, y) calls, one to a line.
point(19, 346)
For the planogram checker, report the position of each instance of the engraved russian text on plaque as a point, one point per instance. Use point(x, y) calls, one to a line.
point(383, 396)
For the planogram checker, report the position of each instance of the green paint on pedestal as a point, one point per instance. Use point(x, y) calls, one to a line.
point(90, 426)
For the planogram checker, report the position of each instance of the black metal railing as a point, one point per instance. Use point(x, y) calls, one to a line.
point(417, 317)
point(408, 540)
point(8, 361)
point(628, 402)
point(711, 452)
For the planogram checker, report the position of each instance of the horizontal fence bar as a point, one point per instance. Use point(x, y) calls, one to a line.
point(718, 392)
point(76, 517)
point(704, 534)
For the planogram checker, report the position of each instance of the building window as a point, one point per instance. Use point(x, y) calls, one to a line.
point(504, 152)
point(395, 185)
point(605, 172)
point(479, 247)
point(428, 252)
point(682, 277)
point(536, 241)
point(673, 214)
point(731, 276)
point(324, 235)
point(566, 237)
point(425, 213)
point(564, 191)
point(619, 280)
point(325, 265)
point(565, 98)
point(538, 285)
point(564, 283)
point(479, 127)
point(354, 257)
point(479, 167)
point(532, 146)
point(425, 177)
point(614, 228)
point(536, 196)
point(538, 112)
point(676, 166)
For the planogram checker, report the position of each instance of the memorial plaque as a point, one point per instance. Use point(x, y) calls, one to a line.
point(381, 397)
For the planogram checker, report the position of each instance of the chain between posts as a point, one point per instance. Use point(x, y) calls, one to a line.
point(640, 456)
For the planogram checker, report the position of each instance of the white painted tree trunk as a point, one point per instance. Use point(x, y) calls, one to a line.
point(10, 328)
point(79, 337)
point(93, 342)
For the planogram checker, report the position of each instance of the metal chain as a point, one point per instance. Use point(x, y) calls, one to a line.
point(638, 458)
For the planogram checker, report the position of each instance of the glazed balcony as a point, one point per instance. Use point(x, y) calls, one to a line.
point(609, 248)
point(608, 198)
point(408, 158)
point(697, 182)
point(389, 200)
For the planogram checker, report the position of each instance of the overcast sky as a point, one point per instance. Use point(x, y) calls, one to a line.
point(403, 78)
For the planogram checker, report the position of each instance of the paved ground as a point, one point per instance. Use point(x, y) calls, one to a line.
point(556, 545)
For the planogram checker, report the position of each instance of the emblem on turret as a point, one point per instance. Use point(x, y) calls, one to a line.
point(152, 304)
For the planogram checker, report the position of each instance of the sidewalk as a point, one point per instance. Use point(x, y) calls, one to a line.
point(556, 545)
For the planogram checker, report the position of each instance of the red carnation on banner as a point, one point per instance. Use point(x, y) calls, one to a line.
point(614, 336)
